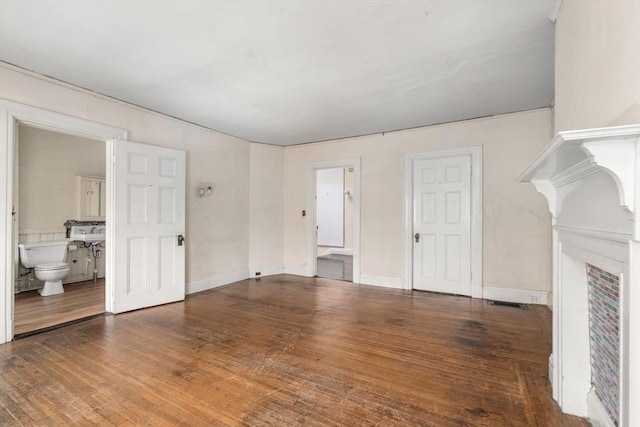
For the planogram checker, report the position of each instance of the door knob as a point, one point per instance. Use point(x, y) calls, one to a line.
point(417, 237)
point(180, 240)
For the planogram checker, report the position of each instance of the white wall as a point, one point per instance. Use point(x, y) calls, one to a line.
point(516, 220)
point(330, 207)
point(597, 64)
point(218, 226)
point(266, 245)
point(225, 240)
point(48, 165)
point(348, 214)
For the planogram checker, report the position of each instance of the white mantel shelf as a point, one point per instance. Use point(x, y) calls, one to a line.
point(591, 180)
point(573, 155)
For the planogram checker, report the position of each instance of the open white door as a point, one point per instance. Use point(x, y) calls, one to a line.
point(149, 225)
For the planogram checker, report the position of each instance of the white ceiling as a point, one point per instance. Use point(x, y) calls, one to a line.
point(290, 72)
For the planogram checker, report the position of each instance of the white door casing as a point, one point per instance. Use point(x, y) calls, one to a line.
point(443, 204)
point(149, 184)
point(442, 225)
point(311, 266)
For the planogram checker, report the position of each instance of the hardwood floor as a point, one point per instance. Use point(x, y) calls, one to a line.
point(33, 312)
point(286, 350)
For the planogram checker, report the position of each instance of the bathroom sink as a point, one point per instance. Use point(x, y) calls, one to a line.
point(87, 233)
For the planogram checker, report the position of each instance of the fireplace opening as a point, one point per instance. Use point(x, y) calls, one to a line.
point(604, 337)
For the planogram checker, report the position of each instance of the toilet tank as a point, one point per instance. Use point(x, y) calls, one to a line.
point(34, 253)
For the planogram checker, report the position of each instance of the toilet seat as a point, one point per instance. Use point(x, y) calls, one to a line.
point(51, 266)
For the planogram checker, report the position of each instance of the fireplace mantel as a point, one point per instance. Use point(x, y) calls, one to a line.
point(591, 180)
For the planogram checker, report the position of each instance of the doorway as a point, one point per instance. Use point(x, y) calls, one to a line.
point(60, 180)
point(333, 225)
point(443, 221)
point(334, 216)
point(13, 115)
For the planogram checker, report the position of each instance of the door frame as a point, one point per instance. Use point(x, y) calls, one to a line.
point(312, 237)
point(476, 154)
point(11, 115)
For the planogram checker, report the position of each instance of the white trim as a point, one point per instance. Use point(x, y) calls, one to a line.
point(598, 415)
point(383, 281)
point(312, 266)
point(575, 173)
point(215, 282)
point(522, 296)
point(574, 154)
point(576, 137)
point(609, 236)
point(12, 114)
point(475, 152)
point(266, 270)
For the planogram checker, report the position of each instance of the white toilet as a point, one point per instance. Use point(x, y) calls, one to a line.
point(47, 260)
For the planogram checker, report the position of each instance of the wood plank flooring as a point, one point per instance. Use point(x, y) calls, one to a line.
point(286, 350)
point(33, 312)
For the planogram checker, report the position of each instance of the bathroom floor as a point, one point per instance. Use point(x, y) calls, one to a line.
point(81, 299)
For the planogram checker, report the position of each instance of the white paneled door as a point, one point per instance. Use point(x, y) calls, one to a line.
point(149, 225)
point(442, 225)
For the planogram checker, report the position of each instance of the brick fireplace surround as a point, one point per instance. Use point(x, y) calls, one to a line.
point(591, 180)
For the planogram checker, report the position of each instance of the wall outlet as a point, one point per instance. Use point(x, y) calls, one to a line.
point(533, 300)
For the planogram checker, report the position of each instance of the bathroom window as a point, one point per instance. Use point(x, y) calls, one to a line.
point(91, 198)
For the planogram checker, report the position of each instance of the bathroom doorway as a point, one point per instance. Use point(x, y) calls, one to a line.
point(60, 181)
point(334, 223)
point(341, 251)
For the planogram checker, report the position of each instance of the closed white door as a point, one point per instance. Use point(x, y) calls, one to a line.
point(442, 225)
point(149, 223)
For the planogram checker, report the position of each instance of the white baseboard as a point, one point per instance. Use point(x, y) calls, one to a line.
point(216, 281)
point(598, 415)
point(384, 281)
point(296, 270)
point(523, 296)
point(266, 270)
